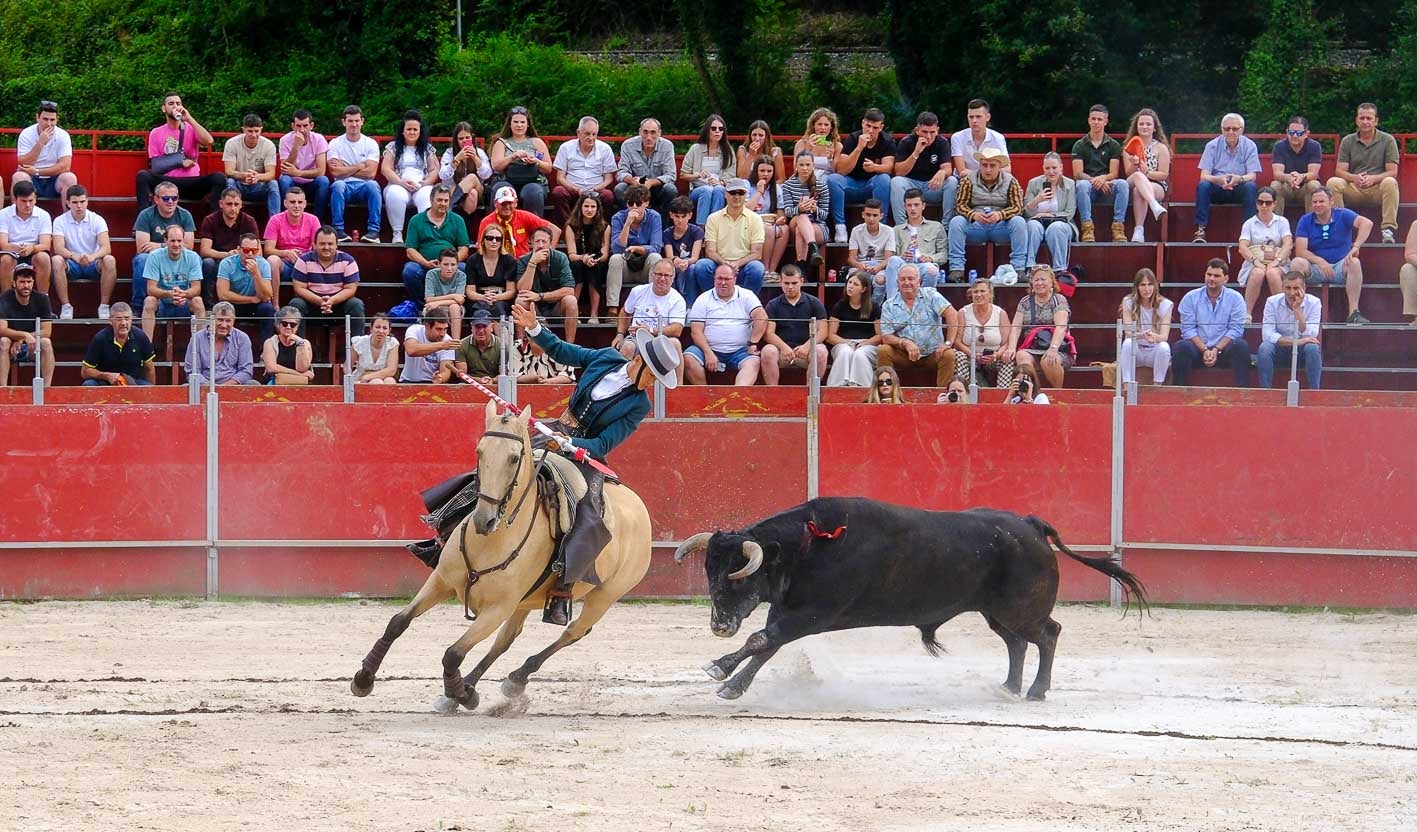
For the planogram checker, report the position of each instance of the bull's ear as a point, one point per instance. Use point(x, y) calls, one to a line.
point(771, 551)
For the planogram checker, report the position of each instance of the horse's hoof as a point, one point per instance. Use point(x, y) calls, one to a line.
point(715, 672)
point(512, 688)
point(729, 692)
point(469, 700)
point(361, 692)
point(445, 705)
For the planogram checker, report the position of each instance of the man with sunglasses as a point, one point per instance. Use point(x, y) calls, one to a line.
point(44, 154)
point(1295, 165)
point(150, 229)
point(244, 281)
point(1326, 245)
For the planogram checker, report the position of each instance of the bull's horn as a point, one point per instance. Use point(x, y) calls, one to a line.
point(754, 553)
point(697, 543)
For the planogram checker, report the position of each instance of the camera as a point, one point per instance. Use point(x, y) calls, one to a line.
point(1023, 391)
point(952, 397)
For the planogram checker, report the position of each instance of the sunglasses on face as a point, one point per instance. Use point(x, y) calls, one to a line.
point(1296, 133)
point(167, 199)
point(289, 324)
point(248, 251)
point(1264, 202)
point(491, 238)
point(717, 128)
point(884, 382)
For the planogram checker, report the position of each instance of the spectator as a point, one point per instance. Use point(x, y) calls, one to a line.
point(288, 235)
point(988, 208)
point(427, 345)
point(234, 364)
point(1265, 244)
point(304, 158)
point(466, 169)
point(966, 144)
point(918, 328)
point(244, 281)
point(445, 285)
point(480, 353)
point(531, 365)
point(516, 225)
point(887, 388)
point(172, 156)
point(1026, 389)
point(820, 138)
point(684, 241)
point(587, 239)
point(806, 204)
point(648, 159)
point(544, 279)
point(584, 167)
point(1326, 248)
point(1295, 164)
point(760, 143)
point(1148, 175)
point(521, 159)
point(1291, 321)
point(21, 309)
point(288, 357)
point(733, 237)
point(119, 354)
point(1097, 166)
point(656, 307)
point(917, 240)
point(1229, 166)
point(150, 229)
point(430, 233)
point(174, 283)
point(923, 163)
point(410, 167)
point(1407, 275)
point(82, 251)
point(708, 164)
point(1367, 170)
point(220, 237)
point(492, 275)
point(26, 234)
point(765, 200)
point(872, 247)
point(985, 325)
point(353, 163)
point(1049, 202)
point(1146, 329)
point(250, 162)
point(376, 355)
point(636, 238)
point(325, 283)
point(956, 393)
point(789, 340)
point(862, 168)
point(726, 325)
point(853, 335)
point(1039, 334)
point(1212, 328)
point(44, 155)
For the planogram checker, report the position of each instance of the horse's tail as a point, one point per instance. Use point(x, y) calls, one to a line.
point(1132, 587)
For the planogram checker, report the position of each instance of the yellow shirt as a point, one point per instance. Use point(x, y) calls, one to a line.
point(734, 238)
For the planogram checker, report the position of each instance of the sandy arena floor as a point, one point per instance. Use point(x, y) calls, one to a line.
point(237, 716)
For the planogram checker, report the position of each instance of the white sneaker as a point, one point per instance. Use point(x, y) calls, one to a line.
point(840, 236)
point(593, 320)
point(103, 311)
point(1388, 236)
point(1157, 209)
point(66, 312)
point(1139, 235)
point(397, 239)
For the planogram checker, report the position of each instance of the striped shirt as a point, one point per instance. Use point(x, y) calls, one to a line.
point(1012, 204)
point(325, 280)
point(793, 191)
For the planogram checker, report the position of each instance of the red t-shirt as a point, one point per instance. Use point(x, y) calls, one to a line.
point(522, 223)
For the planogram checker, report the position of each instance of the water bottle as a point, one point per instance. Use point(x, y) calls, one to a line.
point(973, 276)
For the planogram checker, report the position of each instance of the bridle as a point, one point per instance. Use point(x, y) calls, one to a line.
point(474, 575)
point(516, 478)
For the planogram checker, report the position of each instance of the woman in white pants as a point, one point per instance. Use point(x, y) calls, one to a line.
point(1152, 316)
point(853, 335)
point(410, 166)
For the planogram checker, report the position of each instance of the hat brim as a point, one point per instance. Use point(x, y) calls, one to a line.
point(1001, 159)
point(642, 341)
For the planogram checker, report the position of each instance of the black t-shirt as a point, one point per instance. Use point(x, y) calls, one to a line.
point(225, 237)
point(884, 149)
point(504, 273)
point(930, 159)
point(105, 355)
point(791, 320)
point(853, 326)
point(20, 317)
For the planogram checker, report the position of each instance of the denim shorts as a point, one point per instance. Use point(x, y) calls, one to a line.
point(731, 361)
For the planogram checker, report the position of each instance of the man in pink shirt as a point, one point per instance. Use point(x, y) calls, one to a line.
point(301, 155)
point(288, 235)
point(178, 133)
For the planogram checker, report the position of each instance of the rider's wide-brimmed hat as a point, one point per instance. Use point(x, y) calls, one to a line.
point(660, 356)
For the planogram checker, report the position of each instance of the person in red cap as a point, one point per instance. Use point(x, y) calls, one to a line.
point(516, 224)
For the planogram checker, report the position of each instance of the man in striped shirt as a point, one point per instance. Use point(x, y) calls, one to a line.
point(326, 281)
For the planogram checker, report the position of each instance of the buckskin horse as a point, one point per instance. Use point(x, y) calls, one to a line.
point(498, 564)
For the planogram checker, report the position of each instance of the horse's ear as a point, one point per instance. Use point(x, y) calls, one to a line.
point(525, 417)
point(491, 411)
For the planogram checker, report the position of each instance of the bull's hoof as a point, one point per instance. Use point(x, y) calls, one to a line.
point(1011, 689)
point(445, 705)
point(729, 692)
point(512, 688)
point(1037, 695)
point(360, 690)
point(715, 672)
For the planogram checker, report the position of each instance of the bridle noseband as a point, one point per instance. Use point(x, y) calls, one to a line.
point(516, 478)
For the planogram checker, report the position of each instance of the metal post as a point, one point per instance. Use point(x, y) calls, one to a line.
point(213, 532)
point(1291, 397)
point(974, 367)
point(506, 382)
point(659, 407)
point(348, 353)
point(459, 25)
point(194, 390)
point(814, 401)
point(38, 390)
point(1132, 388)
point(1118, 493)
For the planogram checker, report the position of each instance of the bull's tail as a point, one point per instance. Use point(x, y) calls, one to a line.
point(932, 644)
point(1132, 587)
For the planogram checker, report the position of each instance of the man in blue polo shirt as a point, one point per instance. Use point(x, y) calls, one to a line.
point(119, 354)
point(244, 281)
point(1326, 245)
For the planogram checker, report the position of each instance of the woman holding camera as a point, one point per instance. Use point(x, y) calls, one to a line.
point(985, 326)
point(1026, 389)
point(1039, 335)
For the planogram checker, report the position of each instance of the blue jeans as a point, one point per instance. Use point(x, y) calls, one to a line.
point(1242, 194)
point(317, 194)
point(707, 199)
point(269, 191)
point(1014, 232)
point(1311, 358)
point(1121, 199)
point(140, 285)
point(413, 280)
point(929, 276)
point(700, 277)
point(352, 189)
point(844, 189)
point(944, 196)
point(1059, 235)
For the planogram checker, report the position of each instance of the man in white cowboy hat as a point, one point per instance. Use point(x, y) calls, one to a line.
point(988, 208)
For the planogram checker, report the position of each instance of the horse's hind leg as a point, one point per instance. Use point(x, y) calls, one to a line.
point(592, 609)
point(505, 637)
point(433, 592)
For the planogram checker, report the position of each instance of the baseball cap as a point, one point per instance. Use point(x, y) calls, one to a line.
point(506, 193)
point(739, 185)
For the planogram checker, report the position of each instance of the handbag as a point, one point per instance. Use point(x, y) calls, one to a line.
point(1109, 372)
point(1041, 338)
point(169, 162)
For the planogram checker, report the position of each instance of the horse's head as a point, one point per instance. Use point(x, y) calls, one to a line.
point(503, 463)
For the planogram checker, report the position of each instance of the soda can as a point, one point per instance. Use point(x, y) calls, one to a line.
point(354, 235)
point(831, 275)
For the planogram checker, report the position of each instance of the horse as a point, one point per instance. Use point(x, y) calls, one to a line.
point(504, 578)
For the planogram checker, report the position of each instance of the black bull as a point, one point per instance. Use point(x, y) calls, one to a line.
point(841, 563)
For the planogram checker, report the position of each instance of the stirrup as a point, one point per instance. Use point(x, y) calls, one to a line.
point(558, 610)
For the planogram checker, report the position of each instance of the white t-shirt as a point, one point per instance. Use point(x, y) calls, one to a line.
point(25, 232)
point(585, 171)
point(420, 368)
point(962, 145)
point(648, 309)
point(80, 236)
point(1148, 317)
point(57, 148)
point(727, 323)
point(872, 248)
point(353, 153)
point(365, 359)
point(1258, 234)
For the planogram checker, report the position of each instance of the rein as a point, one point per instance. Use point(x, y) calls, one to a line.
point(474, 575)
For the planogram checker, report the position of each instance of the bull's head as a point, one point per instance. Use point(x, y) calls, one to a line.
point(737, 580)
